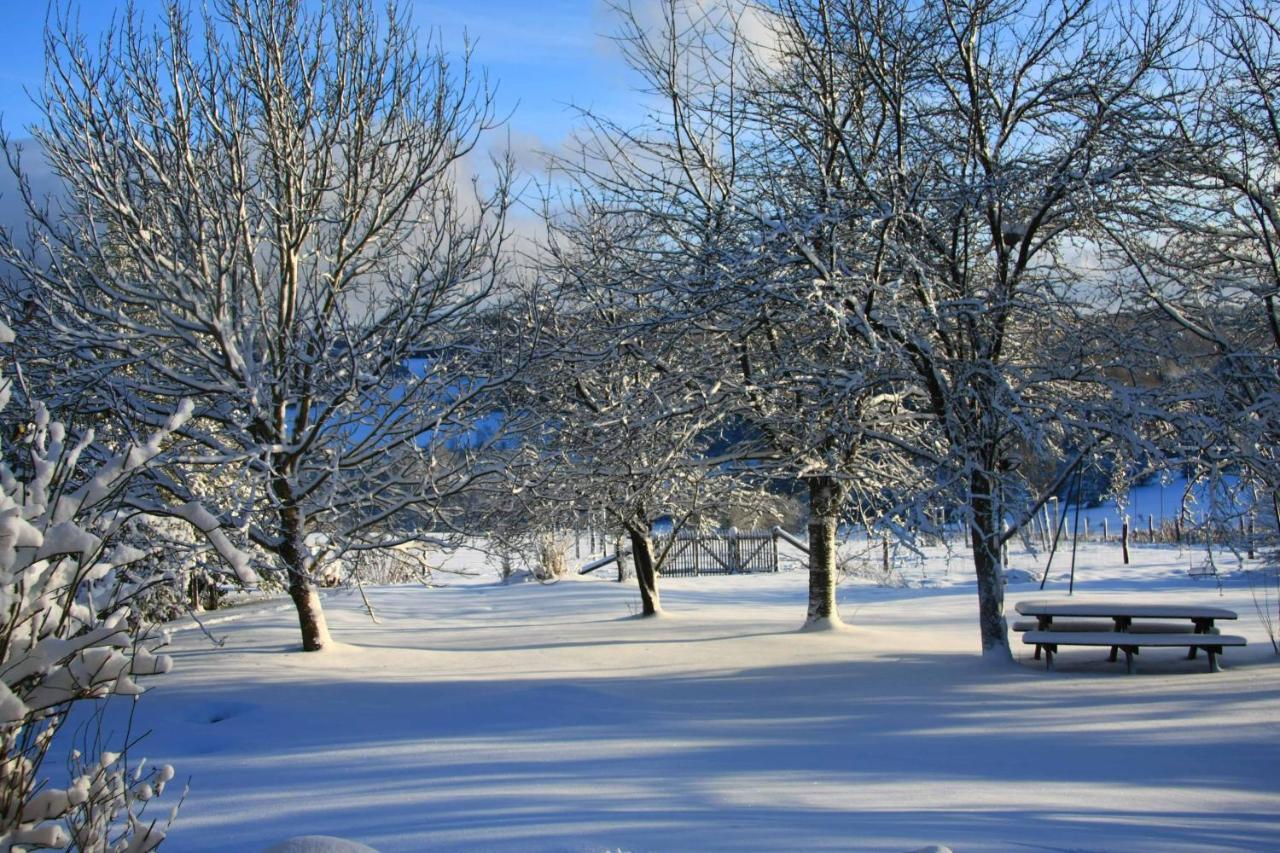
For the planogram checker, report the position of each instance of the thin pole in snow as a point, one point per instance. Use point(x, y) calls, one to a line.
point(1075, 532)
point(1062, 517)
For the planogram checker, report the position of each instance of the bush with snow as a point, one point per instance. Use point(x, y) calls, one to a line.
point(69, 634)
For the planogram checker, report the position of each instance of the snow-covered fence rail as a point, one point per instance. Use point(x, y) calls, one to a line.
point(717, 552)
point(779, 533)
point(602, 562)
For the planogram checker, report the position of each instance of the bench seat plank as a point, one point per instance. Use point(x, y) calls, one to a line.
point(1130, 643)
point(1130, 638)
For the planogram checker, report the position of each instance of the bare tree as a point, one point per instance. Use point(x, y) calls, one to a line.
point(932, 163)
point(688, 193)
point(891, 199)
point(262, 213)
point(630, 422)
point(1200, 251)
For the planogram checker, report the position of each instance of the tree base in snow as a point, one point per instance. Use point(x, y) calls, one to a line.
point(824, 623)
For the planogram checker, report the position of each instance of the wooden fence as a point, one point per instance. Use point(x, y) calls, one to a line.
point(717, 552)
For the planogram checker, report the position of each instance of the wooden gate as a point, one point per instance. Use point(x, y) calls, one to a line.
point(717, 552)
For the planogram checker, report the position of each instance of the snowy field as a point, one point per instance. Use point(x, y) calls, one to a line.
point(531, 718)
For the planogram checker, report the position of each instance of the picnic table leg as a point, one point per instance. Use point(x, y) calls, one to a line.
point(1123, 623)
point(1043, 623)
point(1213, 652)
point(1129, 652)
point(1049, 649)
point(1203, 626)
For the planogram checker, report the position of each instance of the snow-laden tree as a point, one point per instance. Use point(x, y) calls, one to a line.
point(931, 164)
point(263, 212)
point(880, 208)
point(1199, 250)
point(69, 633)
point(628, 423)
point(701, 288)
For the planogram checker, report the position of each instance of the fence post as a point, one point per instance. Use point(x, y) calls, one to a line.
point(1124, 538)
point(1106, 530)
point(1151, 529)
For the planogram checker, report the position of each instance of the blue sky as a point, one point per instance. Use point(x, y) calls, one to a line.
point(542, 54)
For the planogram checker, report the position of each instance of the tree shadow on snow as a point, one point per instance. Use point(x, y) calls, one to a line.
point(891, 753)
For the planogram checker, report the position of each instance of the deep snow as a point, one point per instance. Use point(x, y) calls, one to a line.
point(530, 717)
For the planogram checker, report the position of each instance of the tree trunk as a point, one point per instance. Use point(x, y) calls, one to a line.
point(620, 558)
point(985, 535)
point(306, 598)
point(646, 571)
point(826, 497)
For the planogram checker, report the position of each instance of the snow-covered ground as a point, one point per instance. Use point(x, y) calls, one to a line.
point(529, 717)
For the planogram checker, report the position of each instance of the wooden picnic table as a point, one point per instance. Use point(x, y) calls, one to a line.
point(1122, 613)
point(1070, 631)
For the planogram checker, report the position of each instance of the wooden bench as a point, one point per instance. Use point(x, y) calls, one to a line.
point(1131, 642)
point(1071, 618)
point(1084, 625)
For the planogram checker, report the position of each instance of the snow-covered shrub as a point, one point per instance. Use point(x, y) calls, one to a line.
point(869, 561)
point(186, 574)
point(506, 565)
point(387, 566)
point(550, 556)
point(68, 633)
point(530, 552)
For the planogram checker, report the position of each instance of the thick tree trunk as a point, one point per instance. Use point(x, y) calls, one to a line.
point(646, 571)
point(306, 598)
point(985, 535)
point(826, 498)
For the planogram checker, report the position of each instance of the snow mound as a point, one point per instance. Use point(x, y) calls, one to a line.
point(319, 844)
point(829, 624)
point(1018, 576)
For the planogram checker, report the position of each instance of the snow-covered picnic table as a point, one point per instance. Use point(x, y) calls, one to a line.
point(1129, 629)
